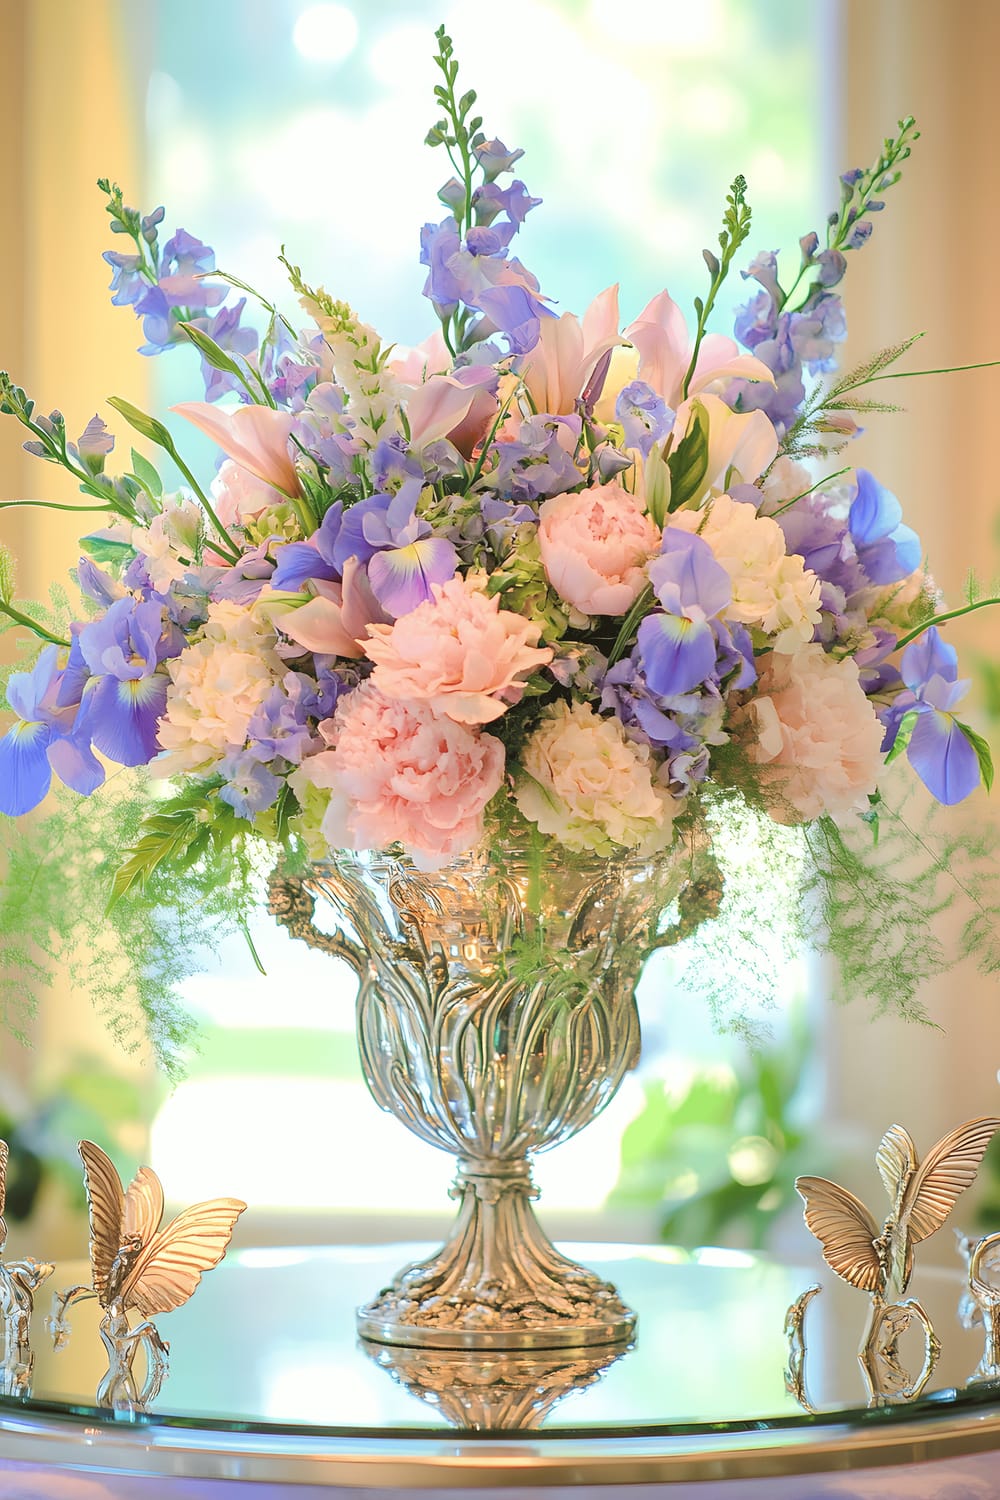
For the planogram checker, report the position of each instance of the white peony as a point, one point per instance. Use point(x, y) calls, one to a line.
point(217, 685)
point(590, 787)
point(772, 589)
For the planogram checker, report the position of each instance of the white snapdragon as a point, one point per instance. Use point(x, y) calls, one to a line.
point(371, 387)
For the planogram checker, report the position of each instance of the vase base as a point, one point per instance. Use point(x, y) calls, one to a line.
point(602, 1320)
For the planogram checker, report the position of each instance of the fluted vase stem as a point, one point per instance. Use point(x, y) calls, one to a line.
point(496, 1017)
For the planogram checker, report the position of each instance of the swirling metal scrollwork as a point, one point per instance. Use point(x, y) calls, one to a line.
point(496, 1017)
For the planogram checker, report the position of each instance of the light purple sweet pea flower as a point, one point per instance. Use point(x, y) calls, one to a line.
point(887, 550)
point(645, 416)
point(494, 157)
point(938, 749)
point(250, 787)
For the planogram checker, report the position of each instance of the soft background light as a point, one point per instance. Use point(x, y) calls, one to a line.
point(261, 122)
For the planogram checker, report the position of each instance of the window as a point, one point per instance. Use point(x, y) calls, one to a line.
point(302, 124)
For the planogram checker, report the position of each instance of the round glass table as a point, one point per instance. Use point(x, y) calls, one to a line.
point(270, 1387)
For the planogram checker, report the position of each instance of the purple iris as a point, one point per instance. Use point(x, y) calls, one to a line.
point(939, 750)
point(403, 558)
point(301, 562)
point(127, 695)
point(49, 736)
point(887, 550)
point(677, 645)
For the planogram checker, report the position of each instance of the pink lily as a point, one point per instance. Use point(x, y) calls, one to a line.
point(336, 620)
point(661, 336)
point(743, 441)
point(412, 366)
point(566, 355)
point(256, 437)
point(458, 407)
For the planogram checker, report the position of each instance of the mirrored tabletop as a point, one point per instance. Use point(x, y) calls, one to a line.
point(265, 1360)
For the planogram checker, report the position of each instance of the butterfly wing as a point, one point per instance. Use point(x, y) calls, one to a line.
point(896, 1160)
point(107, 1208)
point(845, 1229)
point(948, 1169)
point(143, 1208)
point(171, 1266)
point(4, 1154)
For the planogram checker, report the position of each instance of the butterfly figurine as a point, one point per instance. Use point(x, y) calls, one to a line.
point(136, 1265)
point(19, 1281)
point(921, 1196)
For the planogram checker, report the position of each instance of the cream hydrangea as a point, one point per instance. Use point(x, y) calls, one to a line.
point(772, 589)
point(217, 685)
point(591, 788)
point(814, 734)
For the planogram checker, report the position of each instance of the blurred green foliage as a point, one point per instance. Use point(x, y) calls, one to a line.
point(89, 1102)
point(718, 1154)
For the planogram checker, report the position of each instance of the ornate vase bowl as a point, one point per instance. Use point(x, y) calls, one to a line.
point(496, 1017)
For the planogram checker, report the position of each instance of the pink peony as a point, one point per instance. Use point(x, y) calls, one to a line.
point(459, 653)
point(816, 734)
point(594, 546)
point(400, 773)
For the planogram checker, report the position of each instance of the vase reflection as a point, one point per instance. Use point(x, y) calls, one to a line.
point(481, 1392)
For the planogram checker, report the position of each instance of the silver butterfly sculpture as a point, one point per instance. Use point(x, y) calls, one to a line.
point(19, 1281)
point(137, 1266)
point(880, 1261)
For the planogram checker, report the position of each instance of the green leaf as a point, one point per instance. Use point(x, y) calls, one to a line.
point(145, 425)
point(104, 550)
point(688, 463)
point(213, 353)
point(904, 734)
point(164, 837)
point(983, 752)
point(6, 575)
point(147, 476)
point(630, 624)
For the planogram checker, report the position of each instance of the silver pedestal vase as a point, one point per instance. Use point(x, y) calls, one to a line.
point(496, 1017)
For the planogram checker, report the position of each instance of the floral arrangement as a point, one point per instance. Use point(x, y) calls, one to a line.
point(542, 566)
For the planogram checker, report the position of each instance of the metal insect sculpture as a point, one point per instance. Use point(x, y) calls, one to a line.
point(137, 1266)
point(981, 1305)
point(19, 1281)
point(880, 1261)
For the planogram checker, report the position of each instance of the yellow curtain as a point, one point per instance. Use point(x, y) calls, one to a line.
point(72, 103)
point(930, 266)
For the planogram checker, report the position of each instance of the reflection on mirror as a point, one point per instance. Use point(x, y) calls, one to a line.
point(486, 1391)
